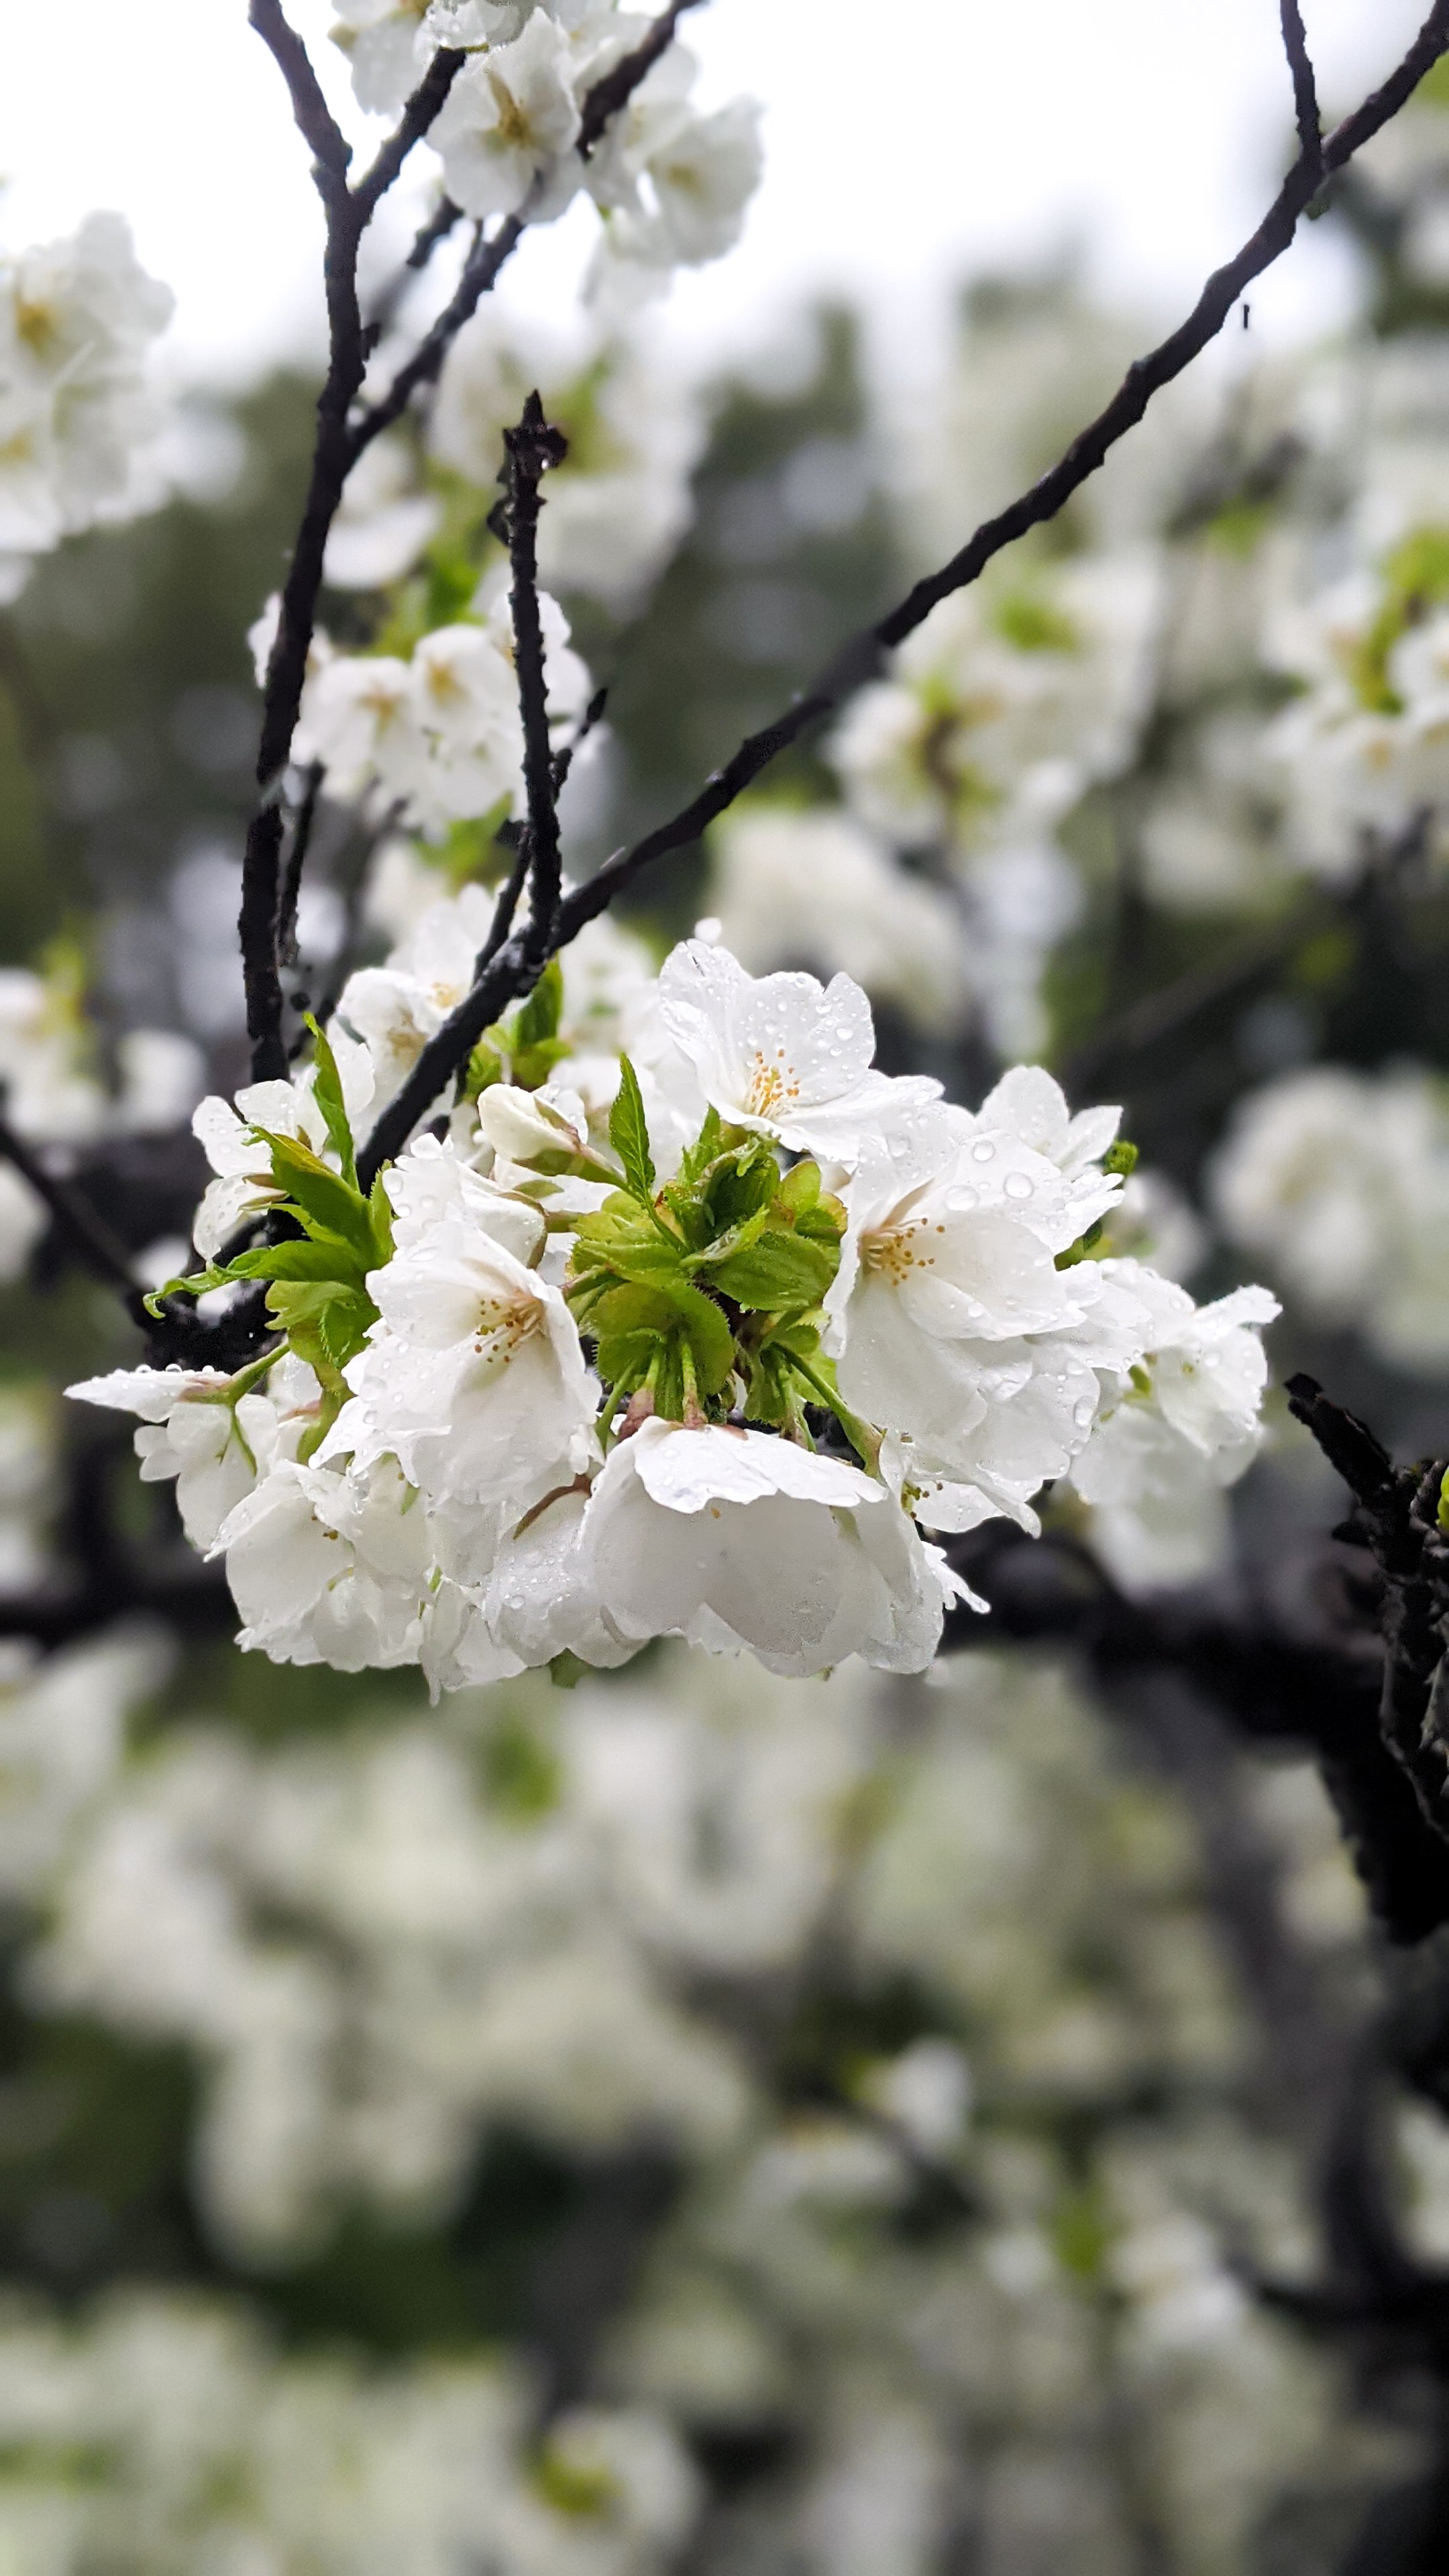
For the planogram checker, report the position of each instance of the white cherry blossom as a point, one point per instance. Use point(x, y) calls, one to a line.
point(782, 1055)
point(736, 1539)
point(508, 125)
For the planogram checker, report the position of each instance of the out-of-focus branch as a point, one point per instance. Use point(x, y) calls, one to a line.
point(1396, 1519)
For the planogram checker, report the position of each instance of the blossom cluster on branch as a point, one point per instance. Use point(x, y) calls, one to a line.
point(688, 1329)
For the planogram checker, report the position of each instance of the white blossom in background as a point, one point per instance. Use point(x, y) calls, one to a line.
point(439, 736)
point(1364, 747)
point(1339, 1182)
point(383, 522)
point(214, 2442)
point(619, 502)
point(54, 1092)
point(1004, 706)
point(76, 321)
point(812, 888)
point(1175, 1432)
point(506, 129)
point(671, 182)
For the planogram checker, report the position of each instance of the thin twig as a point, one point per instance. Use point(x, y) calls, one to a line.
point(515, 969)
point(444, 220)
point(480, 273)
point(530, 450)
point(567, 753)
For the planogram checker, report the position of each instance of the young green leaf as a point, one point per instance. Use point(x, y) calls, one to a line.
point(327, 1092)
point(629, 1134)
point(781, 1272)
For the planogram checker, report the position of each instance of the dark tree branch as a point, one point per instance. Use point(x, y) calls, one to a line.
point(1305, 87)
point(1396, 1519)
point(529, 451)
point(445, 220)
point(331, 151)
point(480, 273)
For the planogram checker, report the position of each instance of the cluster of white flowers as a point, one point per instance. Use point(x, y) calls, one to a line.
point(546, 1392)
point(549, 1911)
point(164, 2432)
point(619, 501)
point(76, 320)
point(999, 713)
point(1339, 1181)
point(439, 735)
point(670, 182)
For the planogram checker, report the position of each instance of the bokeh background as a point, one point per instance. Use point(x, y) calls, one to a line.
point(698, 2121)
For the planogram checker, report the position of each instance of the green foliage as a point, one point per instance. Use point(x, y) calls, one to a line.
point(629, 1134)
point(328, 1238)
point(714, 1284)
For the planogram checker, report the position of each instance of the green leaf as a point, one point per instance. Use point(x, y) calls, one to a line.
point(799, 1190)
point(379, 1209)
point(779, 1273)
point(704, 1151)
point(538, 1018)
point(321, 1195)
point(738, 1239)
point(325, 1325)
point(327, 1092)
point(629, 1134)
point(324, 1259)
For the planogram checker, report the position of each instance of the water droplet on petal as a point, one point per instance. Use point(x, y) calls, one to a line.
point(1017, 1185)
point(983, 1151)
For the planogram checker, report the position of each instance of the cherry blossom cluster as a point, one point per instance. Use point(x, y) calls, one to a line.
point(1339, 1182)
point(683, 1320)
point(435, 735)
point(671, 184)
point(77, 318)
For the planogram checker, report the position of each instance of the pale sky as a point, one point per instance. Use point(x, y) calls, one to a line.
point(907, 141)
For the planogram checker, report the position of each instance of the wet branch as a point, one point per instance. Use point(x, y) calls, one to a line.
point(530, 450)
